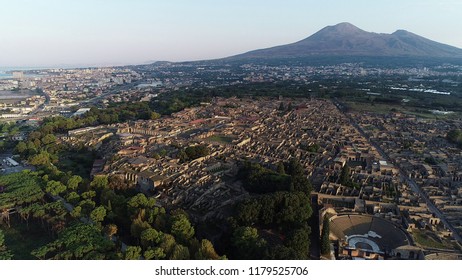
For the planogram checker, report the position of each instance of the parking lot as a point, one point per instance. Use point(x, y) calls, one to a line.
point(8, 165)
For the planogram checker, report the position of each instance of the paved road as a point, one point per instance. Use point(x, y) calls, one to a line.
point(404, 177)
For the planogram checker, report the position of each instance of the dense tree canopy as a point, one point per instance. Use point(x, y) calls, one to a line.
point(154, 254)
point(74, 182)
point(289, 177)
point(98, 214)
point(132, 253)
point(5, 254)
point(277, 209)
point(258, 179)
point(455, 136)
point(193, 152)
point(55, 187)
point(78, 242)
point(281, 213)
point(181, 228)
point(151, 237)
point(248, 244)
point(207, 251)
point(21, 189)
point(299, 179)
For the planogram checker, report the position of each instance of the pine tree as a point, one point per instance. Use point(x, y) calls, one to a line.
point(325, 242)
point(280, 168)
point(345, 175)
point(281, 106)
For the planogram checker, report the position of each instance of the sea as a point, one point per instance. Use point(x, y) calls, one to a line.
point(4, 75)
point(6, 72)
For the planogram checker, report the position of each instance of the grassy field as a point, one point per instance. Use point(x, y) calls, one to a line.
point(430, 240)
point(387, 108)
point(368, 107)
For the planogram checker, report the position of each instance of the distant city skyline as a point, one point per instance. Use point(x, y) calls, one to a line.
point(50, 33)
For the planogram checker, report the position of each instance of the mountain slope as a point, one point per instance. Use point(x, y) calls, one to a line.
point(345, 39)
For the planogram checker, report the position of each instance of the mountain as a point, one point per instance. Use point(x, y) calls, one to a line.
point(345, 39)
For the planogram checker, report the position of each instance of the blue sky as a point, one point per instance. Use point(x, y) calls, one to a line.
point(108, 32)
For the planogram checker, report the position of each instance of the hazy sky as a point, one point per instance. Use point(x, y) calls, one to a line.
point(108, 32)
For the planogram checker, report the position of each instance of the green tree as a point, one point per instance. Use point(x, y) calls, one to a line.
point(163, 153)
point(43, 158)
point(325, 241)
point(180, 252)
point(98, 214)
point(299, 241)
point(55, 187)
point(294, 209)
point(87, 206)
point(34, 135)
point(167, 244)
point(280, 168)
point(154, 116)
point(132, 253)
point(49, 139)
point(249, 212)
point(281, 106)
point(21, 147)
point(455, 136)
point(150, 237)
point(141, 201)
point(89, 195)
point(289, 107)
point(74, 182)
point(345, 175)
point(154, 254)
point(137, 227)
point(300, 181)
point(182, 156)
point(281, 252)
point(99, 182)
point(73, 198)
point(206, 251)
point(76, 212)
point(282, 209)
point(268, 209)
point(138, 204)
point(182, 228)
point(78, 242)
point(248, 244)
point(31, 148)
point(3, 145)
point(5, 254)
point(194, 152)
point(257, 179)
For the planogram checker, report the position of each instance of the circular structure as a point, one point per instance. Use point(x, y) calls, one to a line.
point(361, 242)
point(367, 233)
